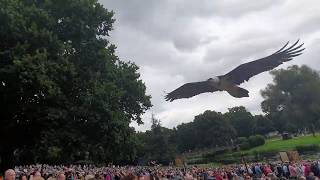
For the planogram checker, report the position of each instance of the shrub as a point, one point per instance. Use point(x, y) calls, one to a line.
point(245, 146)
point(221, 151)
point(243, 143)
point(308, 148)
point(199, 161)
point(209, 155)
point(241, 140)
point(256, 140)
point(228, 161)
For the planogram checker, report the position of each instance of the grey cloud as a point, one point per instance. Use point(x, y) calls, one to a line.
point(308, 26)
point(189, 42)
point(178, 41)
point(186, 42)
point(227, 8)
point(167, 20)
point(311, 55)
point(147, 52)
point(138, 11)
point(242, 49)
point(133, 11)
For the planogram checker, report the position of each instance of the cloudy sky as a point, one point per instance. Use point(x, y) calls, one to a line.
point(179, 41)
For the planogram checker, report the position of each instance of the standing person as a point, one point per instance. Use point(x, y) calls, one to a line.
point(267, 170)
point(257, 170)
point(307, 169)
point(314, 169)
point(286, 172)
point(10, 175)
point(293, 171)
point(279, 170)
point(300, 170)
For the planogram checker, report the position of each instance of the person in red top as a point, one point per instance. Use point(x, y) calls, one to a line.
point(267, 170)
point(218, 176)
point(293, 170)
point(307, 169)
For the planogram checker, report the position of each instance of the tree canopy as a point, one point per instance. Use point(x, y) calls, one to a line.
point(205, 132)
point(292, 101)
point(241, 120)
point(62, 87)
point(158, 144)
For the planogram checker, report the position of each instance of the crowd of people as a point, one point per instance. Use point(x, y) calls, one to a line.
point(308, 170)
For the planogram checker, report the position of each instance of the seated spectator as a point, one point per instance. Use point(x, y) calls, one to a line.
point(61, 176)
point(10, 175)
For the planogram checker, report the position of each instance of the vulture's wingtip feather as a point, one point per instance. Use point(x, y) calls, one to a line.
point(282, 47)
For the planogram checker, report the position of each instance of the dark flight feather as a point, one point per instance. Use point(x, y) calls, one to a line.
point(247, 70)
point(190, 89)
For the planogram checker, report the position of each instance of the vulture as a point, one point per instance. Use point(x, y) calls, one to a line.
point(230, 82)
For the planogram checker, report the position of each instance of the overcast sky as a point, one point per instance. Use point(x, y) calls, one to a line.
point(179, 41)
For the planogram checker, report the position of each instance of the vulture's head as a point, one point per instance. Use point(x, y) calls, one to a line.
point(215, 80)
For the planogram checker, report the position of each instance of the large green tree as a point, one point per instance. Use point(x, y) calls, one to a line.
point(242, 120)
point(63, 91)
point(186, 138)
point(263, 125)
point(292, 101)
point(205, 132)
point(158, 144)
point(208, 129)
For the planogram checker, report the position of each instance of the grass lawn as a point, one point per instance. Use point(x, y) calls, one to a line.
point(283, 145)
point(274, 145)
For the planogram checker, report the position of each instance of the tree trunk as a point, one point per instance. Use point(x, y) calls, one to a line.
point(313, 130)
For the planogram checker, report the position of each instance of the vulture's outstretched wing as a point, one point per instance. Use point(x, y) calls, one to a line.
point(247, 70)
point(190, 89)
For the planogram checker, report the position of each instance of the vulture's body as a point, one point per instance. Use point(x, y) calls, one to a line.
point(230, 82)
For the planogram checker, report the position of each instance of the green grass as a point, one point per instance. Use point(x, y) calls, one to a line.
point(274, 145)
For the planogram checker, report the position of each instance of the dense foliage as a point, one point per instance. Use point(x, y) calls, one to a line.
point(157, 144)
point(308, 148)
point(64, 94)
point(209, 129)
point(292, 102)
point(256, 140)
point(241, 120)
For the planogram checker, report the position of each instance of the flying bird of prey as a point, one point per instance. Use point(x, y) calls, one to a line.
point(230, 81)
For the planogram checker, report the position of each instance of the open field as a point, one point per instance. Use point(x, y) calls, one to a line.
point(272, 146)
point(278, 144)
